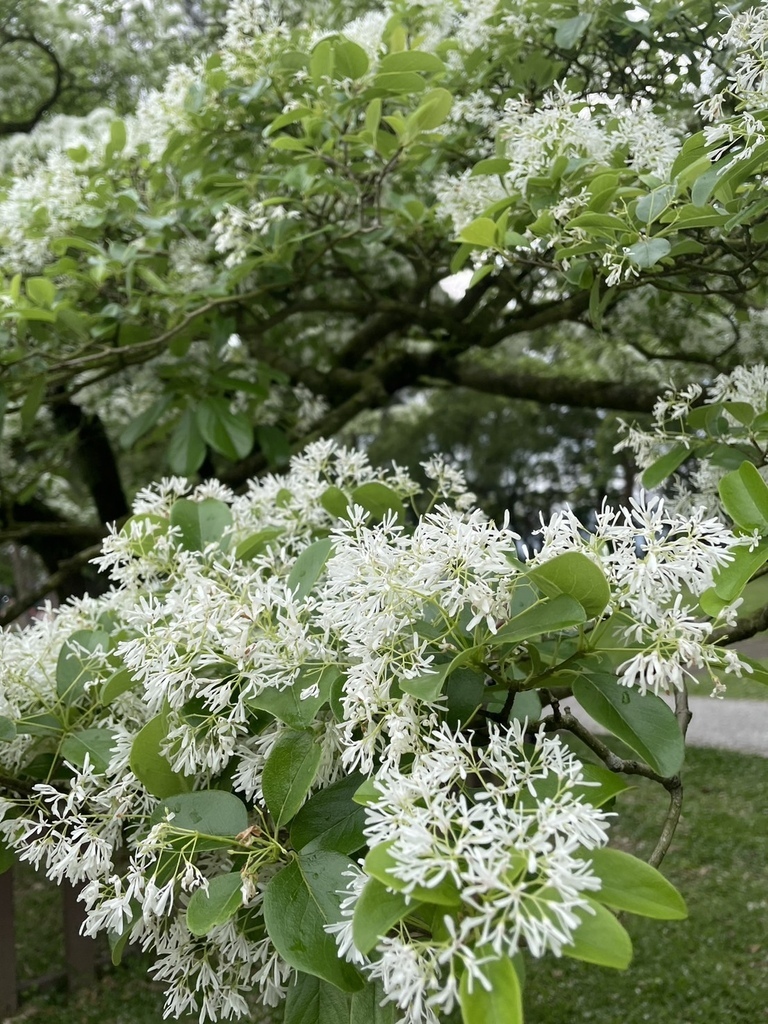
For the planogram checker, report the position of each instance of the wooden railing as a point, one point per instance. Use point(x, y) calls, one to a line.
point(80, 954)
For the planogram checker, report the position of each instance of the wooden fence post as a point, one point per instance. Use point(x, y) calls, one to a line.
point(80, 951)
point(9, 993)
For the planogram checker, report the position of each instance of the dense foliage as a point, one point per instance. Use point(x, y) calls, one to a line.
point(261, 251)
point(314, 741)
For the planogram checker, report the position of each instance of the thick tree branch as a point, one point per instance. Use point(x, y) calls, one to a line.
point(56, 581)
point(579, 393)
point(27, 124)
point(95, 459)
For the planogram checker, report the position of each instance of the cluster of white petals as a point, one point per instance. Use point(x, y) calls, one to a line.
point(470, 815)
point(333, 600)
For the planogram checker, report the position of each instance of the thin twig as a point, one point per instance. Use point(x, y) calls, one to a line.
point(565, 720)
point(670, 823)
point(673, 785)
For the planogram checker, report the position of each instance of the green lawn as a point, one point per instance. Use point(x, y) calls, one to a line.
point(710, 969)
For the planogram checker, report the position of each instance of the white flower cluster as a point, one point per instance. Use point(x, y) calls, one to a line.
point(304, 597)
point(234, 229)
point(747, 384)
point(652, 557)
point(469, 815)
point(747, 38)
point(563, 126)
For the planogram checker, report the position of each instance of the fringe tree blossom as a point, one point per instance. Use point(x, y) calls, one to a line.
point(746, 386)
point(257, 649)
point(470, 816)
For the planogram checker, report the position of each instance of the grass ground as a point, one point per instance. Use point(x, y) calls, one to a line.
point(710, 969)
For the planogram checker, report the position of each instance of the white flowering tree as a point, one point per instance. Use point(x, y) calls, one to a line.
point(321, 743)
point(314, 747)
point(301, 749)
point(262, 249)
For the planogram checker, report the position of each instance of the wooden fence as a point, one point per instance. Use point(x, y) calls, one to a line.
point(80, 954)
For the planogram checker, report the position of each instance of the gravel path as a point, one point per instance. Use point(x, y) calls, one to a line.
point(740, 725)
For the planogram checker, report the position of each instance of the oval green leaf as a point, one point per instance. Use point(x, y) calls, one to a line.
point(642, 721)
point(208, 909)
point(630, 884)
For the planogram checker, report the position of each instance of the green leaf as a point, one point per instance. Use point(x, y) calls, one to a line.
point(41, 291)
point(308, 567)
point(289, 117)
point(368, 1007)
point(288, 705)
point(298, 902)
point(321, 61)
point(377, 909)
point(744, 495)
point(435, 106)
point(76, 665)
point(32, 402)
point(289, 771)
point(208, 909)
point(186, 448)
point(98, 744)
point(330, 819)
point(275, 445)
point(335, 502)
point(547, 616)
point(310, 1000)
point(481, 231)
point(465, 692)
point(650, 207)
point(228, 433)
point(628, 883)
point(411, 60)
point(571, 30)
point(149, 527)
point(378, 499)
point(648, 251)
point(600, 939)
point(610, 785)
point(373, 116)
point(730, 580)
point(350, 60)
point(256, 543)
point(741, 411)
point(704, 186)
point(215, 814)
point(642, 721)
point(664, 466)
point(117, 136)
point(492, 165)
point(577, 576)
point(150, 766)
point(503, 1004)
point(380, 863)
point(7, 856)
point(200, 522)
point(7, 729)
point(121, 681)
point(144, 422)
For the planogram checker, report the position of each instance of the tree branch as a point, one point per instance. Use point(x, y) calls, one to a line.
point(745, 627)
point(66, 570)
point(26, 125)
